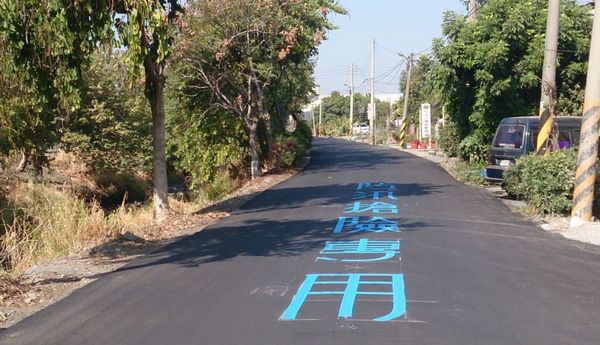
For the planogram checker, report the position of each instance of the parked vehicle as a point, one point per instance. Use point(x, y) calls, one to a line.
point(516, 136)
point(360, 128)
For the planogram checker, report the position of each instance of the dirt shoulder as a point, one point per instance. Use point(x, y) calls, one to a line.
point(43, 285)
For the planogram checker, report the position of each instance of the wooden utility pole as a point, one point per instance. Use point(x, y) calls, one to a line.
point(549, 78)
point(585, 176)
point(351, 98)
point(373, 110)
point(404, 124)
point(472, 10)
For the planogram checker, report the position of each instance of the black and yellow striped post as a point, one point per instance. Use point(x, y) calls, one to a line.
point(403, 128)
point(404, 124)
point(546, 124)
point(585, 175)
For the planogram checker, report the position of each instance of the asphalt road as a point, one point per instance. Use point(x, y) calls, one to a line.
point(467, 271)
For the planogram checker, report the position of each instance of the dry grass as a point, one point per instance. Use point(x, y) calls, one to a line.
point(46, 223)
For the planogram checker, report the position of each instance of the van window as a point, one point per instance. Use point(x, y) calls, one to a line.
point(509, 136)
point(564, 139)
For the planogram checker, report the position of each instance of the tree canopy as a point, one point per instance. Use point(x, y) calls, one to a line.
point(490, 68)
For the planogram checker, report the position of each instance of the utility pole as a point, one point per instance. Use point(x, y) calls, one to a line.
point(472, 10)
point(320, 115)
point(351, 98)
point(389, 115)
point(373, 111)
point(313, 122)
point(549, 79)
point(404, 124)
point(585, 175)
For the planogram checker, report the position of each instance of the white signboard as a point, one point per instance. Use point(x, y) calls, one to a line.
point(425, 120)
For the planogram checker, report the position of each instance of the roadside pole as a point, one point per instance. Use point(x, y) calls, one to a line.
point(549, 79)
point(404, 124)
point(373, 110)
point(320, 116)
point(472, 10)
point(585, 176)
point(351, 98)
point(313, 122)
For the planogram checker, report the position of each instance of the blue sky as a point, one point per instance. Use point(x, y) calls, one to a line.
point(396, 25)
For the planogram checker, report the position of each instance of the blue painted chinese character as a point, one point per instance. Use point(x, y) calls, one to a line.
point(357, 224)
point(348, 289)
point(376, 195)
point(380, 186)
point(376, 207)
point(386, 249)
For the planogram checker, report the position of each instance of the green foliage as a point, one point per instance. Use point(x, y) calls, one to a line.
point(112, 131)
point(475, 147)
point(252, 60)
point(285, 151)
point(546, 183)
point(336, 126)
point(206, 144)
point(449, 140)
point(422, 90)
point(490, 68)
point(44, 45)
point(303, 136)
point(469, 172)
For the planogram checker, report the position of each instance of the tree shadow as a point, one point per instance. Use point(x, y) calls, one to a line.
point(260, 238)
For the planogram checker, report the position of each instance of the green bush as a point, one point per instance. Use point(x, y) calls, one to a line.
point(469, 173)
point(285, 151)
point(546, 183)
point(303, 136)
point(475, 147)
point(336, 127)
point(449, 140)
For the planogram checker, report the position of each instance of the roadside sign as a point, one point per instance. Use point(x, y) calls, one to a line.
point(425, 120)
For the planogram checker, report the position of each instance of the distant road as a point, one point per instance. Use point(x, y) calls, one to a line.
point(368, 245)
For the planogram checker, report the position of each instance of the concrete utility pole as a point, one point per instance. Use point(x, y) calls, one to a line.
point(404, 124)
point(549, 78)
point(373, 111)
point(313, 122)
point(320, 116)
point(351, 97)
point(389, 116)
point(585, 176)
point(472, 10)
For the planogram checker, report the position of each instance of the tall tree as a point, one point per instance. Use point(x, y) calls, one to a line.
point(147, 29)
point(239, 52)
point(48, 43)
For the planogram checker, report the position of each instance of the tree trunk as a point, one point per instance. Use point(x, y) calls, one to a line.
point(155, 87)
point(270, 139)
point(24, 160)
point(255, 151)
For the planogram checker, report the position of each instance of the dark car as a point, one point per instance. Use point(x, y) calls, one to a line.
point(516, 136)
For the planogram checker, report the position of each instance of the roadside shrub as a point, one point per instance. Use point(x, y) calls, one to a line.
point(449, 140)
point(546, 183)
point(336, 126)
point(469, 173)
point(285, 151)
point(475, 147)
point(303, 136)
